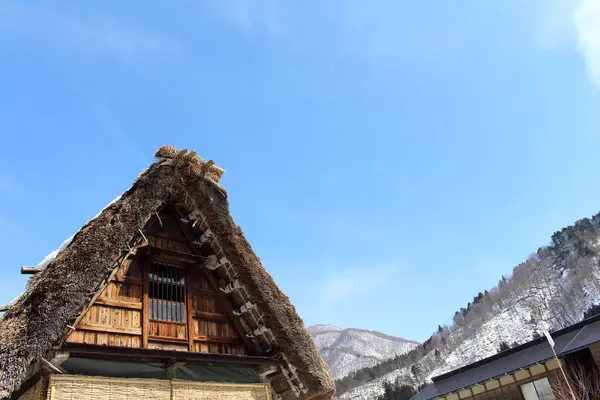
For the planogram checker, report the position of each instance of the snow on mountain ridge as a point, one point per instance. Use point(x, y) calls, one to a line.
point(346, 349)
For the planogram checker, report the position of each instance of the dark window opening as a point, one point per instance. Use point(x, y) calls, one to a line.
point(167, 293)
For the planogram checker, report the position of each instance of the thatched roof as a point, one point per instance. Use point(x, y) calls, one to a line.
point(56, 296)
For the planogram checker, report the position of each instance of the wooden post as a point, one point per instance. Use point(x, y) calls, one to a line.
point(145, 300)
point(51, 367)
point(563, 372)
point(190, 309)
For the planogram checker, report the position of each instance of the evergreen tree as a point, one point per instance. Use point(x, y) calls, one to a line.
point(415, 370)
point(593, 310)
point(503, 282)
point(477, 298)
point(503, 347)
point(397, 392)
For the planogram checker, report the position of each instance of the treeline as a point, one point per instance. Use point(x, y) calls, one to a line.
point(397, 391)
point(365, 375)
point(553, 283)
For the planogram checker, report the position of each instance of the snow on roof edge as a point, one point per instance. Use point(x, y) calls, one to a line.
point(48, 259)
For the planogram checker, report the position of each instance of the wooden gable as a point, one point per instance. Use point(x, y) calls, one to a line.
point(161, 298)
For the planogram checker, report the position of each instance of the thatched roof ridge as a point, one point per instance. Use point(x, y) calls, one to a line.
point(57, 295)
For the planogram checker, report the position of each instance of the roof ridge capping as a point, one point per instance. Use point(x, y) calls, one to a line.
point(196, 163)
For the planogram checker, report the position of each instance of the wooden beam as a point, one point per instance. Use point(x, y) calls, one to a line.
point(139, 354)
point(215, 339)
point(166, 255)
point(197, 338)
point(109, 329)
point(166, 321)
point(52, 368)
point(128, 280)
point(167, 339)
point(229, 310)
point(215, 286)
point(31, 270)
point(208, 315)
point(166, 235)
point(145, 302)
point(190, 312)
point(119, 304)
point(4, 308)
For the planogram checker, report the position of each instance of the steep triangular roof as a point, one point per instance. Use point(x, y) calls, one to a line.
point(38, 320)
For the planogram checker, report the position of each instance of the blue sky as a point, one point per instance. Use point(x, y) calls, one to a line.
point(386, 159)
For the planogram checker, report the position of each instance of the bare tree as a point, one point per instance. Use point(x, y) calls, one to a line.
point(584, 382)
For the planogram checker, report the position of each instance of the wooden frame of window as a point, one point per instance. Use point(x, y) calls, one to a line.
point(203, 321)
point(534, 385)
point(165, 304)
point(167, 294)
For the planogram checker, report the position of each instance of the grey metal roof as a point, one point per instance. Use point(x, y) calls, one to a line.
point(567, 340)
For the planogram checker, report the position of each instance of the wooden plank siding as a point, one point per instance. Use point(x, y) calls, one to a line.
point(213, 329)
point(168, 330)
point(119, 316)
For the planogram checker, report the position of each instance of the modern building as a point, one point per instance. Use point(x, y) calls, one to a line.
point(529, 371)
point(158, 297)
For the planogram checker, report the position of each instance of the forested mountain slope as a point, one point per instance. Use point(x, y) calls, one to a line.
point(556, 284)
point(346, 350)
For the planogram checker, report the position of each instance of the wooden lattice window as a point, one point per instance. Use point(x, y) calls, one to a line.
point(166, 293)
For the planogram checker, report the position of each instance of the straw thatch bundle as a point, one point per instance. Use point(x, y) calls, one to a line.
point(56, 296)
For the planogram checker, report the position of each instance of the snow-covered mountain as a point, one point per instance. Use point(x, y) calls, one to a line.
point(346, 350)
point(558, 284)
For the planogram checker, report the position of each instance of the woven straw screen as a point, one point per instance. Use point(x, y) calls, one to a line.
point(70, 387)
point(184, 390)
point(35, 392)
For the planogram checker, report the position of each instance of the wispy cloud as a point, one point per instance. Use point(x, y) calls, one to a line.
point(253, 16)
point(553, 25)
point(586, 18)
point(370, 31)
point(87, 35)
point(384, 30)
point(341, 285)
point(572, 22)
